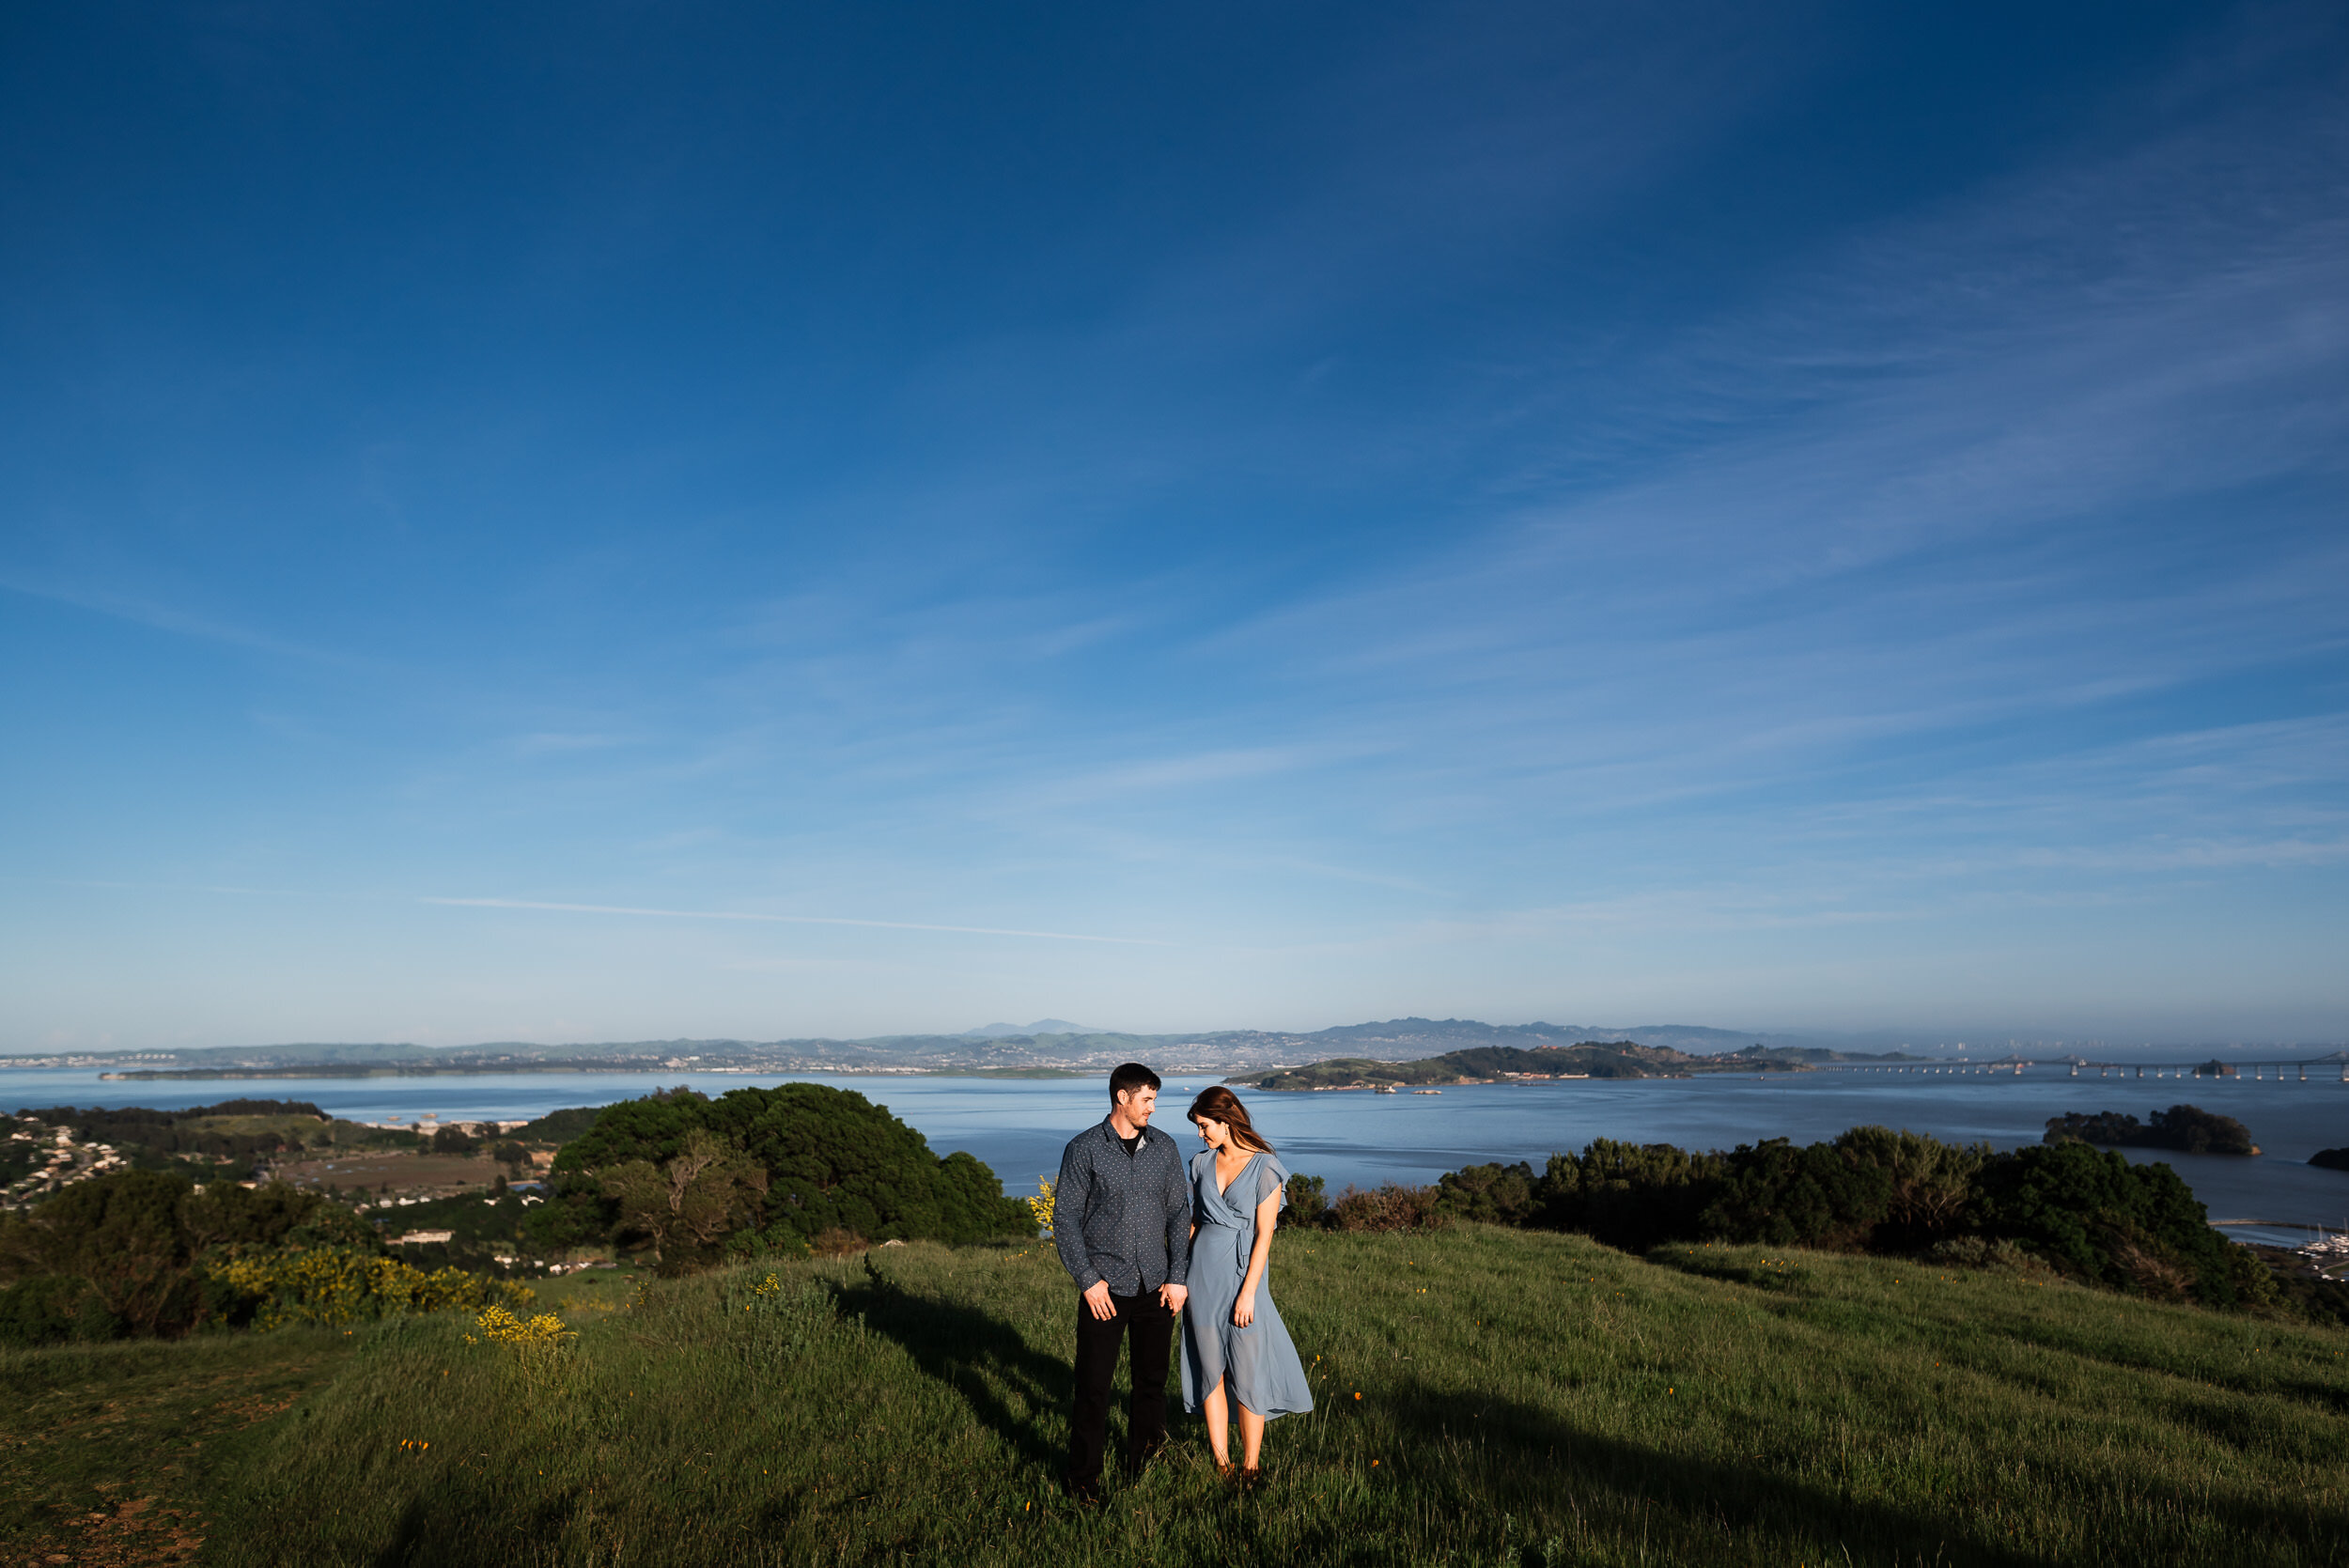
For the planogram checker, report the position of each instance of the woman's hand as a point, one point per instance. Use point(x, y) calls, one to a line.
point(1244, 1310)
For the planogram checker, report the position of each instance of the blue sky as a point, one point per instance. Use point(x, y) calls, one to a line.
point(611, 521)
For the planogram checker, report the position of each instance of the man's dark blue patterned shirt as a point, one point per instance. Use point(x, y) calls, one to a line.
point(1124, 1218)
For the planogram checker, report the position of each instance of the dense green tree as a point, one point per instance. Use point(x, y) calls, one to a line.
point(833, 1160)
point(1933, 1183)
point(47, 1308)
point(652, 1128)
point(577, 1213)
point(125, 1236)
point(692, 1201)
point(2133, 1227)
point(1495, 1194)
point(1628, 1195)
point(275, 1214)
point(560, 1126)
point(972, 1205)
point(1780, 1195)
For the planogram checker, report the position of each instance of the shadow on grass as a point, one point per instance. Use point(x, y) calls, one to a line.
point(1520, 1457)
point(977, 1355)
point(1523, 1458)
point(462, 1523)
point(2187, 1363)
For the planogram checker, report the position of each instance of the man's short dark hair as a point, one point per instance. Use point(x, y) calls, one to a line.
point(1130, 1077)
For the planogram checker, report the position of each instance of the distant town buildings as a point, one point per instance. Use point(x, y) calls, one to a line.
point(60, 1159)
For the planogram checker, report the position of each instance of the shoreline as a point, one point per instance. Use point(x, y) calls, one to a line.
point(212, 1075)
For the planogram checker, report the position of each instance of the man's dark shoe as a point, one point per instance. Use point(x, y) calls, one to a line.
point(1084, 1493)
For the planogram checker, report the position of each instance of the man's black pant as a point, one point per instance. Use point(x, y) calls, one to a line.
point(1098, 1342)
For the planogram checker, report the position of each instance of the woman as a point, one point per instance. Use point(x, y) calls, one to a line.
point(1235, 1349)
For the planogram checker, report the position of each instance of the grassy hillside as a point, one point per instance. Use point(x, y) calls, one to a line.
point(1524, 1397)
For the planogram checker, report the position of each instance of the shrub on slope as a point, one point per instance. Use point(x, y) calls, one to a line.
point(122, 1254)
point(2136, 1228)
point(768, 1168)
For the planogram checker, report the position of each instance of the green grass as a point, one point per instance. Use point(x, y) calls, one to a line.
point(1525, 1398)
point(109, 1451)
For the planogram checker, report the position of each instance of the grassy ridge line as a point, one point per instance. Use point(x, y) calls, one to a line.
point(1525, 1397)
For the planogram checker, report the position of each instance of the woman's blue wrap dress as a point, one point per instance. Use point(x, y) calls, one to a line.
point(1258, 1363)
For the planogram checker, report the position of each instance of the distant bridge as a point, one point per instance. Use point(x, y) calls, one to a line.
point(2327, 1068)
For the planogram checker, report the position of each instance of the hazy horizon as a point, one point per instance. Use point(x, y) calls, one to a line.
point(1856, 1039)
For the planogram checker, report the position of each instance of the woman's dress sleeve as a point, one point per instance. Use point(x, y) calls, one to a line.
point(1271, 1177)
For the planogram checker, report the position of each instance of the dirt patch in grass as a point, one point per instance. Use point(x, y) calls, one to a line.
point(103, 1447)
point(143, 1533)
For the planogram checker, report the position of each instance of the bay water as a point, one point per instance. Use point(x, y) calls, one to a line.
point(1019, 1125)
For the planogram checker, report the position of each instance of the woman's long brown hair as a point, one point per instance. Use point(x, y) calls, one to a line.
point(1219, 1104)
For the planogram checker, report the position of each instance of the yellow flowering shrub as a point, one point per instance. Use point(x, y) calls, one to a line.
point(339, 1285)
point(1041, 1204)
point(499, 1327)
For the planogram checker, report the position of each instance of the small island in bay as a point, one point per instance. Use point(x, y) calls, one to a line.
point(2185, 1128)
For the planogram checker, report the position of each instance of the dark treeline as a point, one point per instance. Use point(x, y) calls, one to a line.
point(97, 1121)
point(2066, 1207)
point(2185, 1128)
point(167, 1135)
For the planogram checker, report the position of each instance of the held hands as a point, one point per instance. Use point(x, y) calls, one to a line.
point(1096, 1299)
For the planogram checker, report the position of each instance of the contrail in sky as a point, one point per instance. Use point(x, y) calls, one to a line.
point(782, 919)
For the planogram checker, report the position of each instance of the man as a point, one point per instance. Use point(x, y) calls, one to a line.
point(1121, 1217)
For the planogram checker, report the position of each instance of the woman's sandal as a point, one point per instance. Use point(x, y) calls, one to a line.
point(1250, 1478)
point(1223, 1468)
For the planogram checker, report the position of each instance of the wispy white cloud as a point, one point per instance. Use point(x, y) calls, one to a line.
point(136, 609)
point(782, 919)
point(1173, 774)
point(557, 742)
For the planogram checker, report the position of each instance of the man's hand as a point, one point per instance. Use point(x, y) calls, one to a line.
point(1173, 1296)
point(1097, 1298)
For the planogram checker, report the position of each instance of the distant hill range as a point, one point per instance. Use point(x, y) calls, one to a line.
point(1047, 1044)
point(1588, 1059)
point(1012, 1031)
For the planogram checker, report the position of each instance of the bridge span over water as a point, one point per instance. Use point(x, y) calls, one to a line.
point(2315, 1069)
